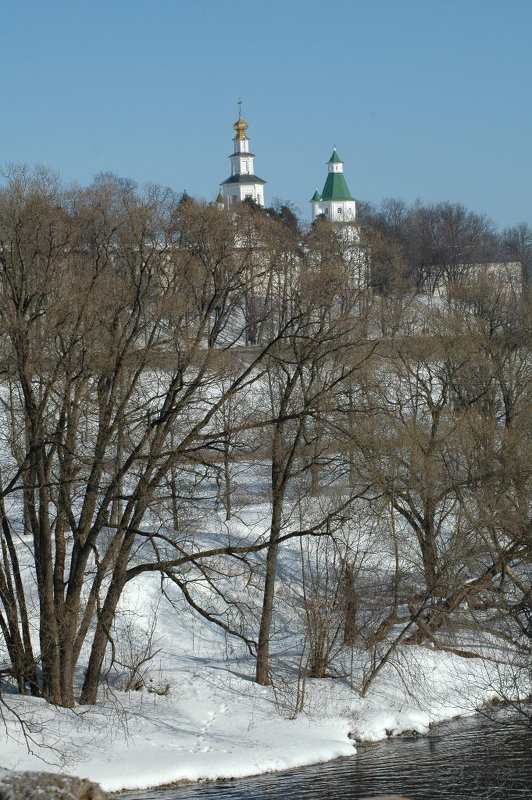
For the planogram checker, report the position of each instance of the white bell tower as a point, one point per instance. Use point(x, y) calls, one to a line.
point(242, 184)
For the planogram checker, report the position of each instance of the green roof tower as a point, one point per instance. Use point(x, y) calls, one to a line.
point(335, 201)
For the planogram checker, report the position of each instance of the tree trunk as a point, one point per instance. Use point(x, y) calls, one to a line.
point(262, 675)
point(89, 692)
point(350, 614)
point(228, 484)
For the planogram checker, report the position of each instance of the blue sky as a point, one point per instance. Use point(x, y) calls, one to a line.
point(428, 99)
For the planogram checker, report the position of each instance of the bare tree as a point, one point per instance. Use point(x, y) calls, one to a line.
point(117, 311)
point(323, 350)
point(517, 245)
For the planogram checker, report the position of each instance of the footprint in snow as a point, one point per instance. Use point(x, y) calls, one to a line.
point(208, 721)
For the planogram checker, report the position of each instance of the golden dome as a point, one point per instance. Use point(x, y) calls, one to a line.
point(240, 127)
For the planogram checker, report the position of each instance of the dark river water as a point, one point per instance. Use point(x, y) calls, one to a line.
point(472, 759)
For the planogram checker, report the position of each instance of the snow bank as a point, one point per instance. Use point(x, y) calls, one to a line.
point(215, 722)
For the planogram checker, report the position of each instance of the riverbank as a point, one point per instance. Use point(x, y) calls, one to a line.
point(202, 717)
point(465, 759)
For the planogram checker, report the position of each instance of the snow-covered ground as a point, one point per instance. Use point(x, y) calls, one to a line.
point(201, 716)
point(205, 718)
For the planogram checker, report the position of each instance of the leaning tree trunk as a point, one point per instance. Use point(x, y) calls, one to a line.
point(89, 692)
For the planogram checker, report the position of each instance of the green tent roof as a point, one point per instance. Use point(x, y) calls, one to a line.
point(335, 158)
point(336, 188)
point(316, 197)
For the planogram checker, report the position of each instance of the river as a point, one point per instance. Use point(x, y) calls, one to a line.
point(467, 759)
